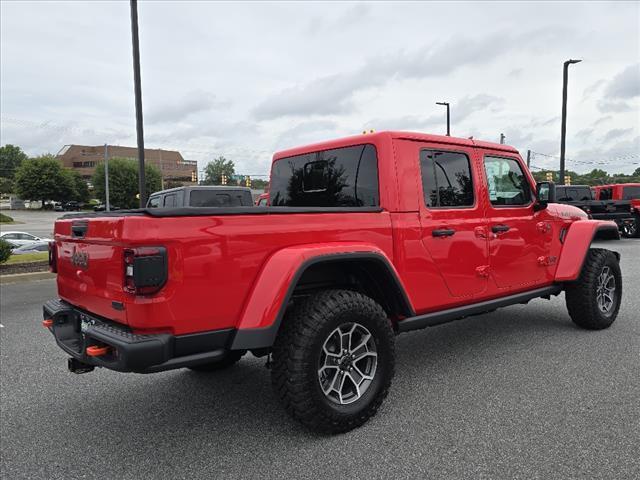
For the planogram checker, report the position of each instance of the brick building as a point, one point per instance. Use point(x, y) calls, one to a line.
point(84, 159)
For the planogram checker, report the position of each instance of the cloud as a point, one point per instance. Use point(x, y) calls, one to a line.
point(616, 133)
point(607, 106)
point(191, 103)
point(584, 134)
point(333, 94)
point(606, 118)
point(626, 84)
point(591, 89)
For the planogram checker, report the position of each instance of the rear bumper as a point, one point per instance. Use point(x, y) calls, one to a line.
point(76, 330)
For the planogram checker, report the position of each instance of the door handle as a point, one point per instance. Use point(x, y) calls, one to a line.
point(500, 228)
point(445, 232)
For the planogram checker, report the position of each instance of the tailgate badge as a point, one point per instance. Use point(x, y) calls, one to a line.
point(80, 259)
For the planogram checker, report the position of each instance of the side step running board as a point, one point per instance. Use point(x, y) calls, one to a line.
point(444, 316)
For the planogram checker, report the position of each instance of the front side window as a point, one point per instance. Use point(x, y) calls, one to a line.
point(341, 177)
point(446, 179)
point(630, 193)
point(508, 185)
point(154, 202)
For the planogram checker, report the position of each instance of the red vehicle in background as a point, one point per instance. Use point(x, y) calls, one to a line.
point(364, 237)
point(623, 192)
point(262, 200)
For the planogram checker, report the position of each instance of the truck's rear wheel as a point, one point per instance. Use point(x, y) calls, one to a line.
point(593, 300)
point(631, 229)
point(230, 359)
point(333, 360)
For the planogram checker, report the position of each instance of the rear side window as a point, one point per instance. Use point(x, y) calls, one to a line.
point(606, 194)
point(573, 194)
point(507, 182)
point(446, 179)
point(227, 198)
point(630, 193)
point(342, 177)
point(170, 200)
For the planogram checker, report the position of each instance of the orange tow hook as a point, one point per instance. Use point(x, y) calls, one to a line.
point(47, 323)
point(96, 351)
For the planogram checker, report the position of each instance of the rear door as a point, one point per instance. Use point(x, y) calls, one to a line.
point(453, 220)
point(519, 237)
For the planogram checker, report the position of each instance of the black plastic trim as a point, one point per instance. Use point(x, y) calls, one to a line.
point(75, 330)
point(451, 314)
point(225, 211)
point(247, 339)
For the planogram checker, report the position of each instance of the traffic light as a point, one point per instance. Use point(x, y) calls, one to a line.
point(567, 180)
point(224, 179)
point(549, 176)
point(247, 181)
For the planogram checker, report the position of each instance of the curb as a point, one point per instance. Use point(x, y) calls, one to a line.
point(25, 277)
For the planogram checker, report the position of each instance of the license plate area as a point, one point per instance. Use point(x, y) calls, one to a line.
point(67, 330)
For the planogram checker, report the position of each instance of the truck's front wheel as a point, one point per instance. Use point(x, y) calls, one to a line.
point(593, 300)
point(333, 360)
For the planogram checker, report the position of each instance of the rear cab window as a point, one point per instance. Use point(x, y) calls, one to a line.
point(227, 198)
point(446, 179)
point(631, 193)
point(340, 177)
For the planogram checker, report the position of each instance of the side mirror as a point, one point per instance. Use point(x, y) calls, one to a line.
point(545, 194)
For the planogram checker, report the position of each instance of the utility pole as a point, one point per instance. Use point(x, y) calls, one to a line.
point(529, 159)
point(448, 118)
point(563, 128)
point(106, 178)
point(138, 93)
point(502, 139)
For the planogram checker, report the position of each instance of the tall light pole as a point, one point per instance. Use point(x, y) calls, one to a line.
point(448, 118)
point(563, 128)
point(138, 92)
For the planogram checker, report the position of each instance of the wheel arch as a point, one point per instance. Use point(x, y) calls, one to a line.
point(576, 246)
point(366, 270)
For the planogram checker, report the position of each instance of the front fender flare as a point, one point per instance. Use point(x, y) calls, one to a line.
point(576, 246)
point(272, 290)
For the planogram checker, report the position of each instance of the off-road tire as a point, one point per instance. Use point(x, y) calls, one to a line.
point(230, 359)
point(581, 295)
point(298, 349)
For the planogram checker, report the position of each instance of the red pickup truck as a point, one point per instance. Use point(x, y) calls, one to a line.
point(623, 196)
point(365, 237)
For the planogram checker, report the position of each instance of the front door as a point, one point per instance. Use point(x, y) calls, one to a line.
point(519, 237)
point(453, 220)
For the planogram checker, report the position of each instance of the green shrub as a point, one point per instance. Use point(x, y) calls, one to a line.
point(5, 251)
point(5, 218)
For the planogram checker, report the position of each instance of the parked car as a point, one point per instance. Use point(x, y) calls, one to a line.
point(71, 206)
point(263, 200)
point(101, 207)
point(605, 202)
point(18, 239)
point(201, 196)
point(41, 246)
point(57, 206)
point(365, 237)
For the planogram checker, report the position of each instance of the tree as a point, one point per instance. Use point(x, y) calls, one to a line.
point(123, 182)
point(43, 178)
point(11, 157)
point(6, 185)
point(215, 169)
point(80, 187)
point(636, 172)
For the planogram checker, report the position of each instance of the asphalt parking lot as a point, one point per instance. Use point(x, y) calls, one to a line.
point(518, 393)
point(36, 222)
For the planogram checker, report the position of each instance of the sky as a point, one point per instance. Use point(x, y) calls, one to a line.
point(244, 80)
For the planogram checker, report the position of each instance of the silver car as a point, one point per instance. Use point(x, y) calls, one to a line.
point(17, 239)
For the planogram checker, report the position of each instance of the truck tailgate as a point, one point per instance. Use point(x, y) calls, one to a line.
point(90, 265)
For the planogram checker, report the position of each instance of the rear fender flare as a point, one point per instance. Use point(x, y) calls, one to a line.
point(577, 242)
point(274, 286)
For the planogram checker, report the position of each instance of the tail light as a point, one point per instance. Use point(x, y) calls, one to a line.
point(145, 270)
point(53, 258)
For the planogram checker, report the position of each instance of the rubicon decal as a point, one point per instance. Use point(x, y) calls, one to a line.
point(80, 259)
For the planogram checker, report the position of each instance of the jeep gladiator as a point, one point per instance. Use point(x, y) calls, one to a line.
point(365, 237)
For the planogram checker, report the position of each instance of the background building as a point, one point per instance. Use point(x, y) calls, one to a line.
point(84, 159)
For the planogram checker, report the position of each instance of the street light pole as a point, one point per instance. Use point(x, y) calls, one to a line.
point(448, 118)
point(138, 93)
point(106, 178)
point(563, 128)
